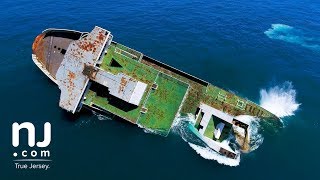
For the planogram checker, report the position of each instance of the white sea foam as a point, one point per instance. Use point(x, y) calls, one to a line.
point(280, 100)
point(102, 117)
point(210, 154)
point(256, 138)
point(254, 134)
point(148, 131)
point(181, 126)
point(189, 118)
point(292, 35)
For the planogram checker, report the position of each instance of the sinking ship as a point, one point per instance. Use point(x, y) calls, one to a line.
point(95, 72)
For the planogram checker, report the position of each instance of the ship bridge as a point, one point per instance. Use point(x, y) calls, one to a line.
point(87, 51)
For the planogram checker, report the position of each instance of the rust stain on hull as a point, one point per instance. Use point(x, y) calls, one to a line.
point(38, 48)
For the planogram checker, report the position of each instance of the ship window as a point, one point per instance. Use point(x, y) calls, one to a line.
point(63, 51)
point(54, 46)
point(197, 111)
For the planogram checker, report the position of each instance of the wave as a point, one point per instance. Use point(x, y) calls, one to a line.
point(292, 35)
point(210, 154)
point(280, 100)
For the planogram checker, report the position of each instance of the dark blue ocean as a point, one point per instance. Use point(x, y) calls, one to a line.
point(265, 50)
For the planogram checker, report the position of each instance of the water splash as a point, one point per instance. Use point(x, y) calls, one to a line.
point(292, 35)
point(280, 100)
point(210, 154)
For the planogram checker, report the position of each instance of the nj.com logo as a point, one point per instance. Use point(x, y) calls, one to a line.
point(31, 132)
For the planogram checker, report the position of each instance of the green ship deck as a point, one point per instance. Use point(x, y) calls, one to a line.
point(162, 104)
point(176, 92)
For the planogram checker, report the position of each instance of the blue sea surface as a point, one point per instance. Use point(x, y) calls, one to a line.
point(267, 51)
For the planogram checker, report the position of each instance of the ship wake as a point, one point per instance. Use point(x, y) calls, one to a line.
point(210, 154)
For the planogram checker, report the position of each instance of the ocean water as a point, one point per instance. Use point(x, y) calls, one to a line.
point(267, 51)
